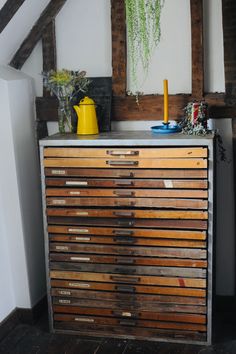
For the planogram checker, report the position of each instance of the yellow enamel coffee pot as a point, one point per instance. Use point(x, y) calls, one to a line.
point(87, 118)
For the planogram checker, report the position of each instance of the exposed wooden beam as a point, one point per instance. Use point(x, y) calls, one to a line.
point(229, 28)
point(49, 50)
point(49, 47)
point(197, 49)
point(36, 33)
point(8, 11)
point(119, 54)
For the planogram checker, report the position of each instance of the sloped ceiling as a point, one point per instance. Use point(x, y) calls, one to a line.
point(19, 27)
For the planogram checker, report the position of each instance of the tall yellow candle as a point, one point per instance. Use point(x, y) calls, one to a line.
point(166, 102)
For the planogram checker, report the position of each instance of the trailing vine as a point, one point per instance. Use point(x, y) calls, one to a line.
point(143, 33)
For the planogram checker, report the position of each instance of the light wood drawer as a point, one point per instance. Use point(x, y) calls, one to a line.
point(127, 193)
point(132, 289)
point(180, 163)
point(129, 213)
point(130, 279)
point(162, 152)
point(176, 203)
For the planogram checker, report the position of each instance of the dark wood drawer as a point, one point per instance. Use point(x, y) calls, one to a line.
point(60, 306)
point(147, 261)
point(134, 300)
point(128, 306)
point(127, 173)
point(84, 182)
point(162, 252)
point(128, 322)
point(127, 223)
point(130, 269)
point(126, 331)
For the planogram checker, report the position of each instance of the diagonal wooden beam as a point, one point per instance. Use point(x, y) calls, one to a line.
point(8, 11)
point(49, 50)
point(36, 33)
point(197, 49)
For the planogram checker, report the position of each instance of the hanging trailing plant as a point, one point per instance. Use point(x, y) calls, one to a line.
point(143, 33)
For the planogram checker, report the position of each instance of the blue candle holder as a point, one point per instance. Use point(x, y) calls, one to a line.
point(165, 128)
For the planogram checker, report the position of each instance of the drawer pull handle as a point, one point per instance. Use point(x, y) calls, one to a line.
point(122, 163)
point(82, 319)
point(122, 194)
point(127, 323)
point(125, 271)
point(125, 289)
point(125, 260)
point(128, 175)
point(124, 183)
point(80, 259)
point(76, 183)
point(123, 232)
point(79, 231)
point(124, 203)
point(125, 279)
point(123, 314)
point(82, 238)
point(62, 301)
point(124, 239)
point(127, 214)
point(125, 223)
point(74, 193)
point(122, 153)
point(64, 292)
point(79, 285)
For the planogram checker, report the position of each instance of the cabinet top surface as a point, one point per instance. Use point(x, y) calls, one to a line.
point(123, 138)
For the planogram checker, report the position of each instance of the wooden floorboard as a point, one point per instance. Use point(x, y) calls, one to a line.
point(36, 339)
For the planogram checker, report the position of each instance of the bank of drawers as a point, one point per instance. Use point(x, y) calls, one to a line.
point(127, 238)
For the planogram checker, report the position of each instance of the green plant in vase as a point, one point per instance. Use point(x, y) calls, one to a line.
point(143, 22)
point(65, 85)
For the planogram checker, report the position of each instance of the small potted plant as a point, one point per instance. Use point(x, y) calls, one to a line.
point(65, 85)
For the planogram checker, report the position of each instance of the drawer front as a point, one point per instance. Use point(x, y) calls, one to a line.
point(130, 289)
point(88, 173)
point(106, 231)
point(84, 183)
point(107, 259)
point(134, 299)
point(124, 153)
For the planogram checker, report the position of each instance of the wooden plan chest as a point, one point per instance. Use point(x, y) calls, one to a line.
point(128, 235)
